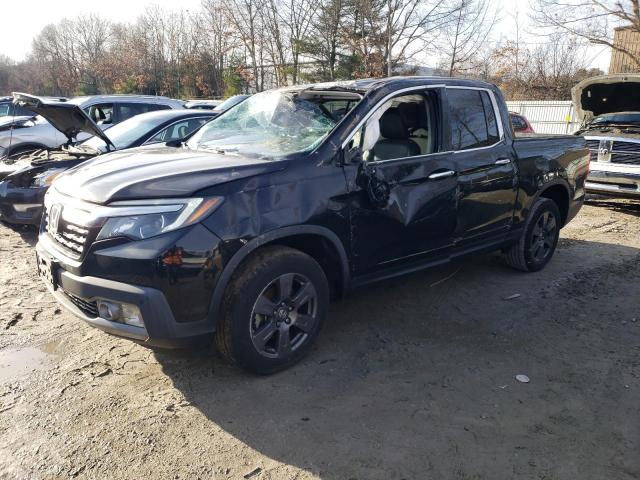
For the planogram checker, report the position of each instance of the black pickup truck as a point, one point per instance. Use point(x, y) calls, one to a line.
point(244, 232)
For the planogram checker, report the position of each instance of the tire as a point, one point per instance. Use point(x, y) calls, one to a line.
point(538, 242)
point(279, 296)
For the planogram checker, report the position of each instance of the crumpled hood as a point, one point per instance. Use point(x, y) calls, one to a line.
point(160, 172)
point(606, 94)
point(67, 117)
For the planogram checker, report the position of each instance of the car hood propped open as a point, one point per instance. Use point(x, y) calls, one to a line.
point(67, 117)
point(606, 94)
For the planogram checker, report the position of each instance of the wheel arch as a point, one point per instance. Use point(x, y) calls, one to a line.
point(559, 192)
point(305, 238)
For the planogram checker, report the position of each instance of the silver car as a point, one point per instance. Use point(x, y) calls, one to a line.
point(28, 134)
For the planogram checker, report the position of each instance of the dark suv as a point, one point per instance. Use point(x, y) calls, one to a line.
point(295, 196)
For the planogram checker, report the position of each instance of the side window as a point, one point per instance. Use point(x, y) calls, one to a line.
point(402, 127)
point(152, 107)
point(472, 117)
point(128, 110)
point(177, 130)
point(490, 115)
point(101, 113)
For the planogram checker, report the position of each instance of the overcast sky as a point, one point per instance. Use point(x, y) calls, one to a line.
point(16, 36)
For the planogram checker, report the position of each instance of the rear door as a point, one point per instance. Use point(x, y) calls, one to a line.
point(402, 183)
point(485, 162)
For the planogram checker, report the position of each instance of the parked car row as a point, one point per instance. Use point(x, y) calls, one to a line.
point(104, 111)
point(22, 192)
point(243, 231)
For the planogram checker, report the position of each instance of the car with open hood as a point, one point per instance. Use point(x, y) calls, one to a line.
point(22, 192)
point(9, 109)
point(35, 133)
point(609, 110)
point(243, 233)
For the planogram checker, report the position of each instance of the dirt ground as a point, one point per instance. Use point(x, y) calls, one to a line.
point(411, 379)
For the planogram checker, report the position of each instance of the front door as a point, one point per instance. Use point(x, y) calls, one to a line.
point(402, 185)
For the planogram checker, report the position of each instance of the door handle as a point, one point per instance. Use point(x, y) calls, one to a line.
point(503, 161)
point(439, 175)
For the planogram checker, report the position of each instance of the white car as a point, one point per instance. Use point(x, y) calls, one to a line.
point(28, 134)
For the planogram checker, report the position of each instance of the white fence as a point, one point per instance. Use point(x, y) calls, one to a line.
point(547, 116)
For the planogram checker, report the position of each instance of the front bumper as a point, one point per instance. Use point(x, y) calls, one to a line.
point(21, 205)
point(79, 295)
point(614, 179)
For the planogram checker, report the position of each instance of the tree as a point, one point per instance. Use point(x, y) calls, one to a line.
point(466, 35)
point(592, 20)
point(546, 71)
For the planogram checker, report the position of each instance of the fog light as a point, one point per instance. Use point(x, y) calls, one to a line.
point(109, 310)
point(120, 312)
point(131, 315)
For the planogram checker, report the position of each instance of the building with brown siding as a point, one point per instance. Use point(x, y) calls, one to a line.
point(621, 62)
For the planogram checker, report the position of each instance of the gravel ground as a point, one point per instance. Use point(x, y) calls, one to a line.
point(411, 379)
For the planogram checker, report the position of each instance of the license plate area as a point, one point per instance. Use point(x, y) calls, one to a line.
point(48, 270)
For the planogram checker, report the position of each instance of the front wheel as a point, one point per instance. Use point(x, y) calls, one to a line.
point(273, 309)
point(539, 239)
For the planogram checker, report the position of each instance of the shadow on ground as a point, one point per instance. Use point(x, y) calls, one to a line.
point(627, 206)
point(414, 378)
point(28, 233)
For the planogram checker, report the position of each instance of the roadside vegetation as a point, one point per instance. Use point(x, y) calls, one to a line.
point(243, 46)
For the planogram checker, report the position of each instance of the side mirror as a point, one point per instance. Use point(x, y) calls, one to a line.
point(352, 155)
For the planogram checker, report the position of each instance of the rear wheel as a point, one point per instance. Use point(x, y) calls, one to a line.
point(273, 309)
point(539, 239)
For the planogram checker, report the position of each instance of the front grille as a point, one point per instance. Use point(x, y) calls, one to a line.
point(71, 237)
point(90, 309)
point(626, 158)
point(593, 144)
point(627, 153)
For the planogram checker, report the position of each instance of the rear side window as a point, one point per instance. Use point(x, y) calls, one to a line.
point(473, 119)
point(128, 110)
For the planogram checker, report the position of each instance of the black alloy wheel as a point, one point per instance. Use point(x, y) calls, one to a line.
point(273, 309)
point(539, 237)
point(283, 315)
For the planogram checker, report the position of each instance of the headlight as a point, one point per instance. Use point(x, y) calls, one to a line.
point(148, 218)
point(45, 178)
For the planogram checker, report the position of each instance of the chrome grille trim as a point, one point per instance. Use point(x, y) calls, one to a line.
point(622, 152)
point(72, 238)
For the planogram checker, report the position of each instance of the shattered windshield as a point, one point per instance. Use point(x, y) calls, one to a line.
point(269, 124)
